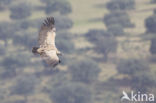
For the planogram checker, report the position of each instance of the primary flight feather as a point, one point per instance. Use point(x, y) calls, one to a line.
point(46, 39)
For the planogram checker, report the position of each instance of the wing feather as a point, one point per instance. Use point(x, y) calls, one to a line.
point(46, 36)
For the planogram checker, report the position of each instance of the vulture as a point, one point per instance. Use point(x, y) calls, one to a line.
point(46, 40)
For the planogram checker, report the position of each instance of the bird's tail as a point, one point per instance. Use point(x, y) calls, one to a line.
point(34, 50)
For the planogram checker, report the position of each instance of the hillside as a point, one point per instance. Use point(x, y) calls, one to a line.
point(100, 59)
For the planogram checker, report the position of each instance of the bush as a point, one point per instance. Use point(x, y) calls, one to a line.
point(2, 7)
point(24, 85)
point(132, 66)
point(3, 93)
point(103, 40)
point(139, 75)
point(153, 1)
point(65, 46)
point(120, 5)
point(24, 24)
point(20, 11)
point(153, 59)
point(58, 6)
point(71, 93)
point(106, 45)
point(116, 30)
point(35, 23)
point(7, 30)
point(154, 11)
point(10, 63)
point(63, 23)
point(13, 61)
point(84, 71)
point(153, 46)
point(61, 6)
point(93, 35)
point(142, 81)
point(64, 42)
point(119, 18)
point(4, 4)
point(9, 66)
point(50, 1)
point(2, 50)
point(26, 41)
point(150, 24)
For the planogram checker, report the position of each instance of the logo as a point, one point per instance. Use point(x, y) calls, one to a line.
point(137, 97)
point(125, 96)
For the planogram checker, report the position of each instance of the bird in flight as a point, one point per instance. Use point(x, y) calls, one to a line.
point(46, 40)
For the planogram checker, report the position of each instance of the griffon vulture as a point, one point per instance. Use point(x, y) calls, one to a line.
point(46, 39)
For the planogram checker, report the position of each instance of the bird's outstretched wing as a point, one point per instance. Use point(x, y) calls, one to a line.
point(47, 34)
point(46, 41)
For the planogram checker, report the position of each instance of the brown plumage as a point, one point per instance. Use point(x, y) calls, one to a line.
point(46, 39)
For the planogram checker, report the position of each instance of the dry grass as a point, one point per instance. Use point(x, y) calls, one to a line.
point(107, 70)
point(83, 11)
point(5, 15)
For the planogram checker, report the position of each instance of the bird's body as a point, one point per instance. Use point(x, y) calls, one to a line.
point(50, 57)
point(46, 39)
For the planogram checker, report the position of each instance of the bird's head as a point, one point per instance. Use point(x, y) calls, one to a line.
point(53, 29)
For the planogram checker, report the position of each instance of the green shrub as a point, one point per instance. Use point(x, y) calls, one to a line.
point(114, 5)
point(20, 11)
point(25, 84)
point(153, 46)
point(71, 93)
point(131, 66)
point(119, 18)
point(150, 24)
point(84, 71)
